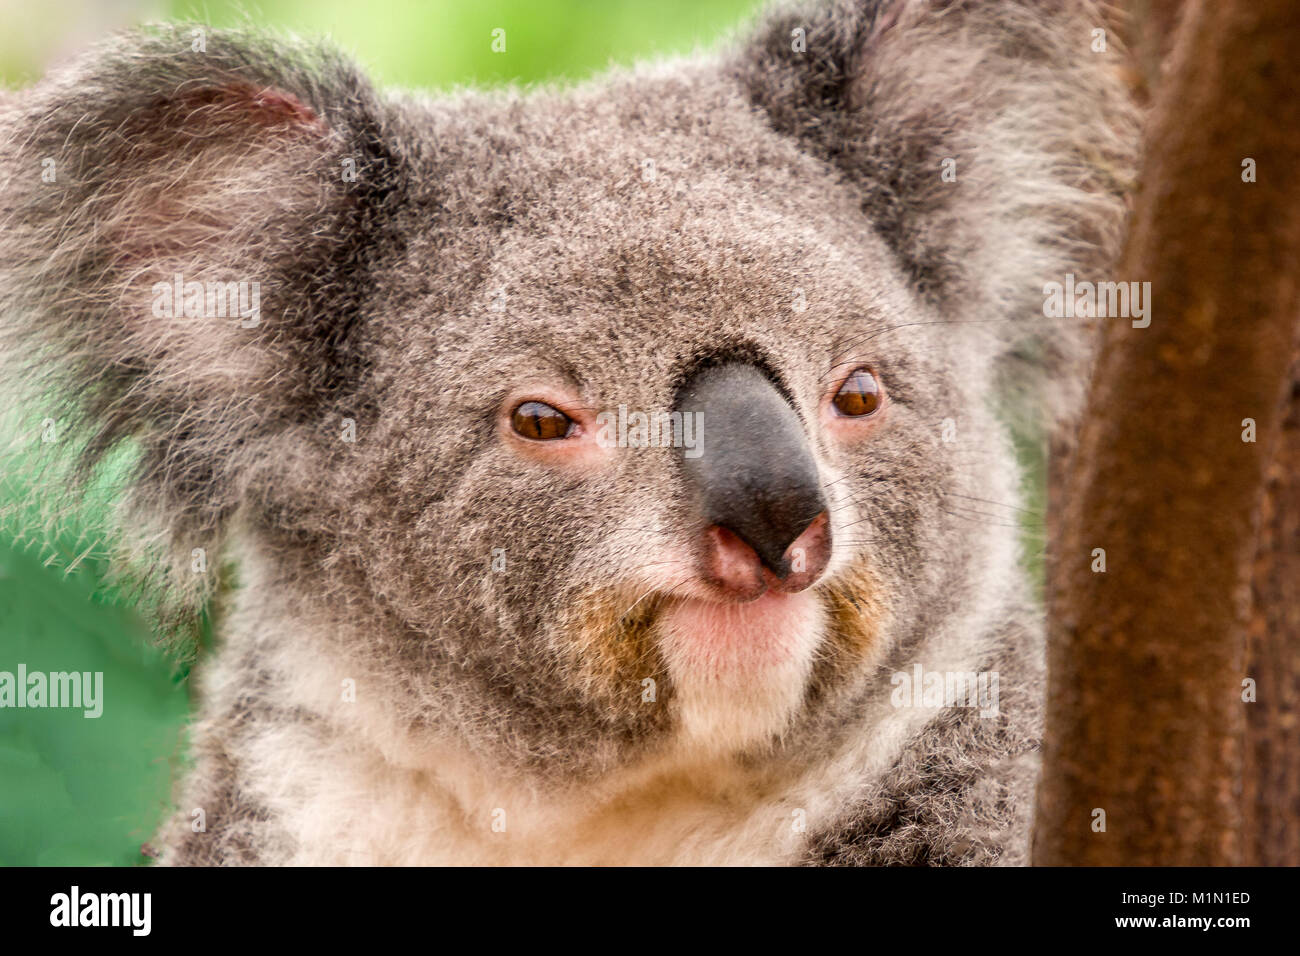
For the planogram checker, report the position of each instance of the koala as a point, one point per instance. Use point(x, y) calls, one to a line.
point(620, 473)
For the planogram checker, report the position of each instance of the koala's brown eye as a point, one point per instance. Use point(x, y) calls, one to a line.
point(859, 395)
point(540, 422)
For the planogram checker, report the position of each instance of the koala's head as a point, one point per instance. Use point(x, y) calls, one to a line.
point(649, 414)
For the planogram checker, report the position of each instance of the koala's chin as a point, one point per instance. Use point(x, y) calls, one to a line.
point(740, 670)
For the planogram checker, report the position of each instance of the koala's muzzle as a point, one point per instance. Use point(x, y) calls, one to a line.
point(756, 481)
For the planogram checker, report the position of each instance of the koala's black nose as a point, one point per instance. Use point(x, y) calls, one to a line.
point(754, 471)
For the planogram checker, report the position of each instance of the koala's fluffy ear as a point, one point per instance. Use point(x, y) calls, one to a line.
point(258, 169)
point(1013, 99)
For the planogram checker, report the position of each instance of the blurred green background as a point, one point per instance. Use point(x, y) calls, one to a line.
point(91, 791)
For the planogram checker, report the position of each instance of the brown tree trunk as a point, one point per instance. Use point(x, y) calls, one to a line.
point(1146, 720)
point(1271, 791)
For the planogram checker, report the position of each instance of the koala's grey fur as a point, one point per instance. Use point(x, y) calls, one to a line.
point(494, 239)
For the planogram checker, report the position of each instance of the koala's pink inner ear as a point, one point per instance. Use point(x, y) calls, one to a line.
point(184, 211)
point(215, 108)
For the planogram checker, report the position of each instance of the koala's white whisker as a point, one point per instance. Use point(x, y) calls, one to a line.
point(649, 592)
point(977, 516)
point(861, 520)
point(835, 481)
point(999, 504)
point(652, 564)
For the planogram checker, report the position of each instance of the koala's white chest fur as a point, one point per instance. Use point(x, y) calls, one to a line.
point(371, 812)
point(342, 803)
